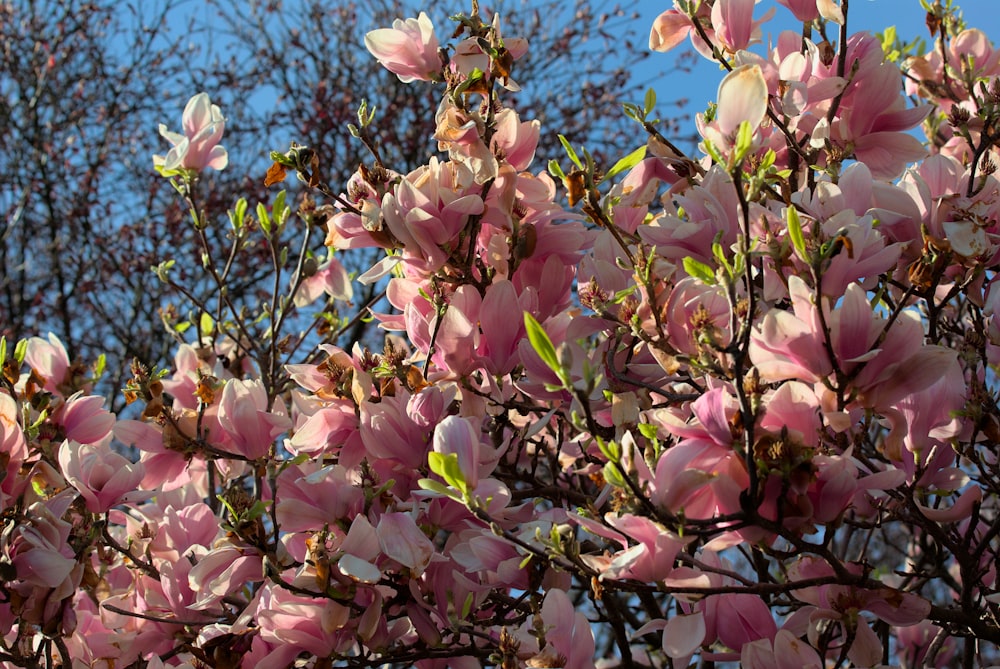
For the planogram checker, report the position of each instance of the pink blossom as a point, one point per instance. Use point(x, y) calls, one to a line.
point(39, 550)
point(742, 98)
point(790, 345)
point(841, 604)
point(244, 415)
point(13, 446)
point(331, 278)
point(568, 637)
point(650, 560)
point(673, 26)
point(733, 22)
point(85, 420)
point(103, 477)
point(165, 467)
point(310, 497)
point(738, 619)
point(786, 652)
point(804, 10)
point(701, 475)
point(332, 429)
point(409, 49)
point(495, 559)
point(458, 436)
point(914, 641)
point(429, 208)
point(51, 362)
point(391, 438)
point(430, 406)
point(198, 147)
point(224, 572)
point(700, 317)
point(295, 624)
point(683, 634)
point(401, 540)
point(695, 219)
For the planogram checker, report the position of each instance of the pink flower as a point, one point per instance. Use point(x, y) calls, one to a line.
point(742, 98)
point(569, 641)
point(841, 604)
point(697, 218)
point(734, 25)
point(223, 572)
point(914, 641)
point(50, 361)
point(294, 624)
point(198, 147)
point(702, 475)
point(243, 414)
point(428, 209)
point(652, 559)
point(804, 10)
point(103, 477)
point(310, 497)
point(786, 652)
point(401, 540)
point(39, 550)
point(85, 420)
point(884, 367)
point(409, 49)
point(673, 26)
point(331, 278)
point(457, 435)
point(13, 447)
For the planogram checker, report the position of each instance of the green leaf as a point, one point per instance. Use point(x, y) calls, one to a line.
point(467, 606)
point(626, 163)
point(720, 255)
point(699, 270)
point(623, 294)
point(162, 270)
point(99, 366)
point(263, 218)
point(648, 430)
point(279, 211)
point(206, 325)
point(238, 214)
point(795, 231)
point(713, 152)
point(542, 344)
point(439, 488)
point(767, 161)
point(229, 507)
point(570, 152)
point(744, 142)
point(650, 102)
point(256, 511)
point(20, 350)
point(613, 475)
point(3, 350)
point(446, 466)
point(610, 449)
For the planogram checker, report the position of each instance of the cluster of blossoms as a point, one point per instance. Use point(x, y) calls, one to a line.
point(731, 408)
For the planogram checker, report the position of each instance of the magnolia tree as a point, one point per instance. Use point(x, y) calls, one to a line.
point(734, 407)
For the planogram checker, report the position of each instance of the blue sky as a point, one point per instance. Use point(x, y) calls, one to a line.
point(700, 86)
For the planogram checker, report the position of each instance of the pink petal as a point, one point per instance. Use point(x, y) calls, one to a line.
point(742, 97)
point(683, 635)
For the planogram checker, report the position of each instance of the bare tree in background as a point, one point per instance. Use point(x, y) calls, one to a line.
point(85, 85)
